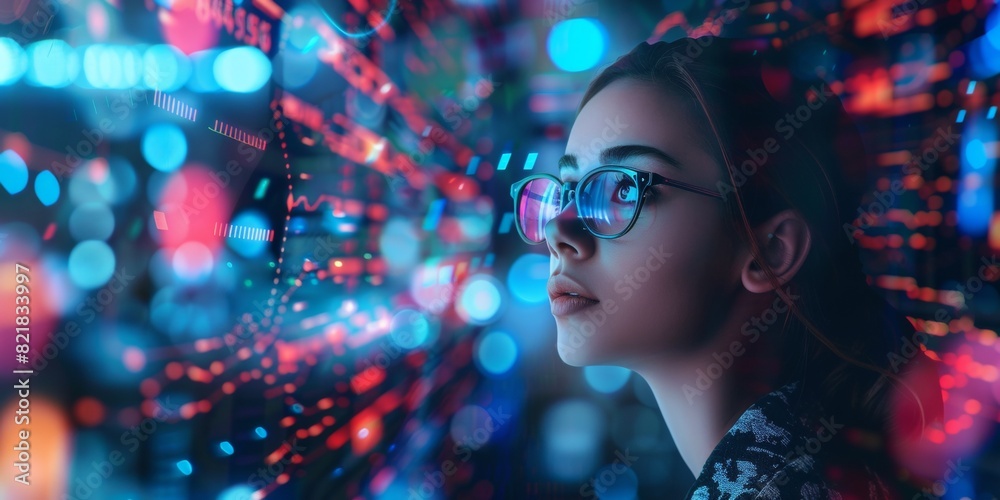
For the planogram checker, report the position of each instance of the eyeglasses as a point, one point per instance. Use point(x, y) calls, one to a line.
point(608, 200)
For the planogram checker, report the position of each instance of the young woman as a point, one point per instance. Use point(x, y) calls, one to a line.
point(696, 235)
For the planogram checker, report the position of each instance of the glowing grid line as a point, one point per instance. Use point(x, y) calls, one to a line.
point(236, 134)
point(171, 104)
point(243, 232)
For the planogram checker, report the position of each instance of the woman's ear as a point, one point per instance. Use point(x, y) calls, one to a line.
point(784, 243)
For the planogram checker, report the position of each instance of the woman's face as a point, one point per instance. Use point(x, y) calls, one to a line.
point(664, 286)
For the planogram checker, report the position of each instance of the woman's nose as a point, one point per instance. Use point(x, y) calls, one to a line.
point(567, 237)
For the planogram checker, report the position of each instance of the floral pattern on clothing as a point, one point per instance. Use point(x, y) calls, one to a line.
point(766, 454)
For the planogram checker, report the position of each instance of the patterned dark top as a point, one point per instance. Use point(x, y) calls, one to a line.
point(778, 449)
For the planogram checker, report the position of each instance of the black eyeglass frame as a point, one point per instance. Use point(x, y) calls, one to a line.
point(644, 180)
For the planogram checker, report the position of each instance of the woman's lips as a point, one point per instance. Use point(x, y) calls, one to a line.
point(565, 305)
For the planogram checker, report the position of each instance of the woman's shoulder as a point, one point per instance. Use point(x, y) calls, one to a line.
point(798, 480)
point(783, 447)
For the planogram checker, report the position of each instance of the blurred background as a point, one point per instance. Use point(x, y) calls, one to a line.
point(270, 253)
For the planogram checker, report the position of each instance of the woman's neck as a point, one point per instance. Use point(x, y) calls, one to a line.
point(702, 394)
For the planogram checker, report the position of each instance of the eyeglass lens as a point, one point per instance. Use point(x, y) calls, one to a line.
point(607, 202)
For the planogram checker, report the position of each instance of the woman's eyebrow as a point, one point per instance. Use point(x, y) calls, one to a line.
point(567, 162)
point(618, 154)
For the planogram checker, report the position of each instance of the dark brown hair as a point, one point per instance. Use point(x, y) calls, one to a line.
point(836, 338)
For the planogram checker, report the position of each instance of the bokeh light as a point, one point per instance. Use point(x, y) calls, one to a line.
point(53, 63)
point(106, 180)
point(399, 244)
point(976, 192)
point(164, 147)
point(60, 291)
point(496, 353)
point(572, 433)
point(992, 26)
point(111, 66)
point(12, 10)
point(186, 312)
point(91, 221)
point(21, 240)
point(193, 262)
point(606, 379)
point(111, 359)
point(528, 277)
point(577, 44)
point(181, 27)
point(294, 68)
point(410, 329)
point(242, 69)
point(192, 204)
point(13, 172)
point(47, 188)
point(479, 301)
point(428, 288)
point(247, 247)
point(98, 20)
point(91, 264)
point(238, 492)
point(472, 426)
point(165, 68)
point(13, 61)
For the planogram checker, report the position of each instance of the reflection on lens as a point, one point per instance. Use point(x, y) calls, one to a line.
point(608, 202)
point(537, 204)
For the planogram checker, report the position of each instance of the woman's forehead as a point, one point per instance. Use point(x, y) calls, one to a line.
point(627, 112)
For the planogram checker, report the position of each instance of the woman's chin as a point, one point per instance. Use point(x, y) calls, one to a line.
point(574, 356)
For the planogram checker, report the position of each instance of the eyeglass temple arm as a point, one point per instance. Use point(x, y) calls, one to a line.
point(659, 179)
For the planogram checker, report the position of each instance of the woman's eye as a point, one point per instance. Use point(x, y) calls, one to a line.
point(625, 192)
